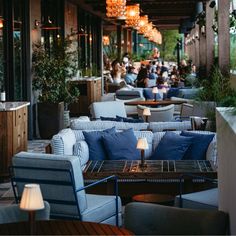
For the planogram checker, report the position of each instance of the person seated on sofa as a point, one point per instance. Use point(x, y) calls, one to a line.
point(142, 78)
point(130, 76)
point(116, 72)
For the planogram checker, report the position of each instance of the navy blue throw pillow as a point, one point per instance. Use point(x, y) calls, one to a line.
point(173, 92)
point(198, 149)
point(95, 143)
point(130, 120)
point(171, 147)
point(111, 118)
point(121, 145)
point(147, 93)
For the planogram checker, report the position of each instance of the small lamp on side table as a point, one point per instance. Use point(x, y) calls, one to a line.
point(155, 91)
point(31, 201)
point(146, 113)
point(142, 145)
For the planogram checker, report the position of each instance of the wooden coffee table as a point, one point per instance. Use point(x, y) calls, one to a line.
point(158, 177)
point(62, 227)
point(155, 103)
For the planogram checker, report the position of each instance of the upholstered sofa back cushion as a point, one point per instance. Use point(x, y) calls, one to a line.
point(101, 125)
point(172, 125)
point(60, 192)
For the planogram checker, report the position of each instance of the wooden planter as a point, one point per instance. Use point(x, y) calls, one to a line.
point(50, 119)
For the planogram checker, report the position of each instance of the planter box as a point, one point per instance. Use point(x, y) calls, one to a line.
point(50, 119)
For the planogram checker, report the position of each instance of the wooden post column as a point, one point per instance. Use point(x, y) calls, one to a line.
point(119, 27)
point(210, 38)
point(202, 56)
point(224, 36)
point(196, 60)
point(125, 45)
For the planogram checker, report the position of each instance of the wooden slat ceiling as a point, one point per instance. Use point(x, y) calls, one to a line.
point(165, 14)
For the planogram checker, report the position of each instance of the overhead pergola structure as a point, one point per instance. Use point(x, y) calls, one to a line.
point(170, 14)
point(164, 14)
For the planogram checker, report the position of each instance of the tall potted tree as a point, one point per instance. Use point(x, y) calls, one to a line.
point(52, 71)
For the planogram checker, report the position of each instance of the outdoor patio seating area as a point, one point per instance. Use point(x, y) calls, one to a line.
point(117, 117)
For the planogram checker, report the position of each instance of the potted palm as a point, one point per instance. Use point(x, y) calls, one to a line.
point(53, 68)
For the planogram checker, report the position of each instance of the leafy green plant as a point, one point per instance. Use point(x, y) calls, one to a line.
point(53, 71)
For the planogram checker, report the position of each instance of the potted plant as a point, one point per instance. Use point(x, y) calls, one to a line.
point(53, 68)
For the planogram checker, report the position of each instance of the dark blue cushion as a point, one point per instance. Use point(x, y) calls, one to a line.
point(198, 149)
point(130, 120)
point(121, 145)
point(147, 93)
point(95, 143)
point(111, 118)
point(173, 92)
point(171, 147)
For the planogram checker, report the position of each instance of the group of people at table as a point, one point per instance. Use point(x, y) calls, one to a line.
point(152, 72)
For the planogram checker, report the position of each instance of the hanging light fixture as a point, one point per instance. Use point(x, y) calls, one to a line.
point(116, 9)
point(143, 21)
point(148, 30)
point(48, 25)
point(1, 23)
point(132, 16)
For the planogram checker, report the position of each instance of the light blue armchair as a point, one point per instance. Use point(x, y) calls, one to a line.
point(12, 214)
point(61, 182)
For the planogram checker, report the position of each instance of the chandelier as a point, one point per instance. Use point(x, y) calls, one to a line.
point(116, 8)
point(132, 16)
point(143, 21)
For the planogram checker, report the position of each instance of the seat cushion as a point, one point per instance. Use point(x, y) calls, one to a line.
point(100, 208)
point(121, 145)
point(207, 199)
point(95, 143)
point(171, 147)
point(199, 146)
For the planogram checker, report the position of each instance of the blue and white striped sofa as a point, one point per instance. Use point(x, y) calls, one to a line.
point(72, 142)
point(77, 124)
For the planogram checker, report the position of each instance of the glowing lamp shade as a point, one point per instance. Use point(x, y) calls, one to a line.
point(1, 23)
point(146, 112)
point(31, 199)
point(154, 90)
point(132, 16)
point(142, 144)
point(143, 21)
point(106, 40)
point(116, 8)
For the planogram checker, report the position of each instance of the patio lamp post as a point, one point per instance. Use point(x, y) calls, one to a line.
point(146, 114)
point(31, 201)
point(142, 145)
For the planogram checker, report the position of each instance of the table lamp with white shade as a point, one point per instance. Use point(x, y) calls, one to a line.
point(142, 145)
point(155, 91)
point(31, 201)
point(146, 113)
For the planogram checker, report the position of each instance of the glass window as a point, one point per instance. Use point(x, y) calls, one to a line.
point(17, 49)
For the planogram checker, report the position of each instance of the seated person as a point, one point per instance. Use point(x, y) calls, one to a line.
point(116, 72)
point(142, 78)
point(130, 76)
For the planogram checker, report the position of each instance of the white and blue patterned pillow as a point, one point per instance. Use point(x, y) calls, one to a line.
point(81, 150)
